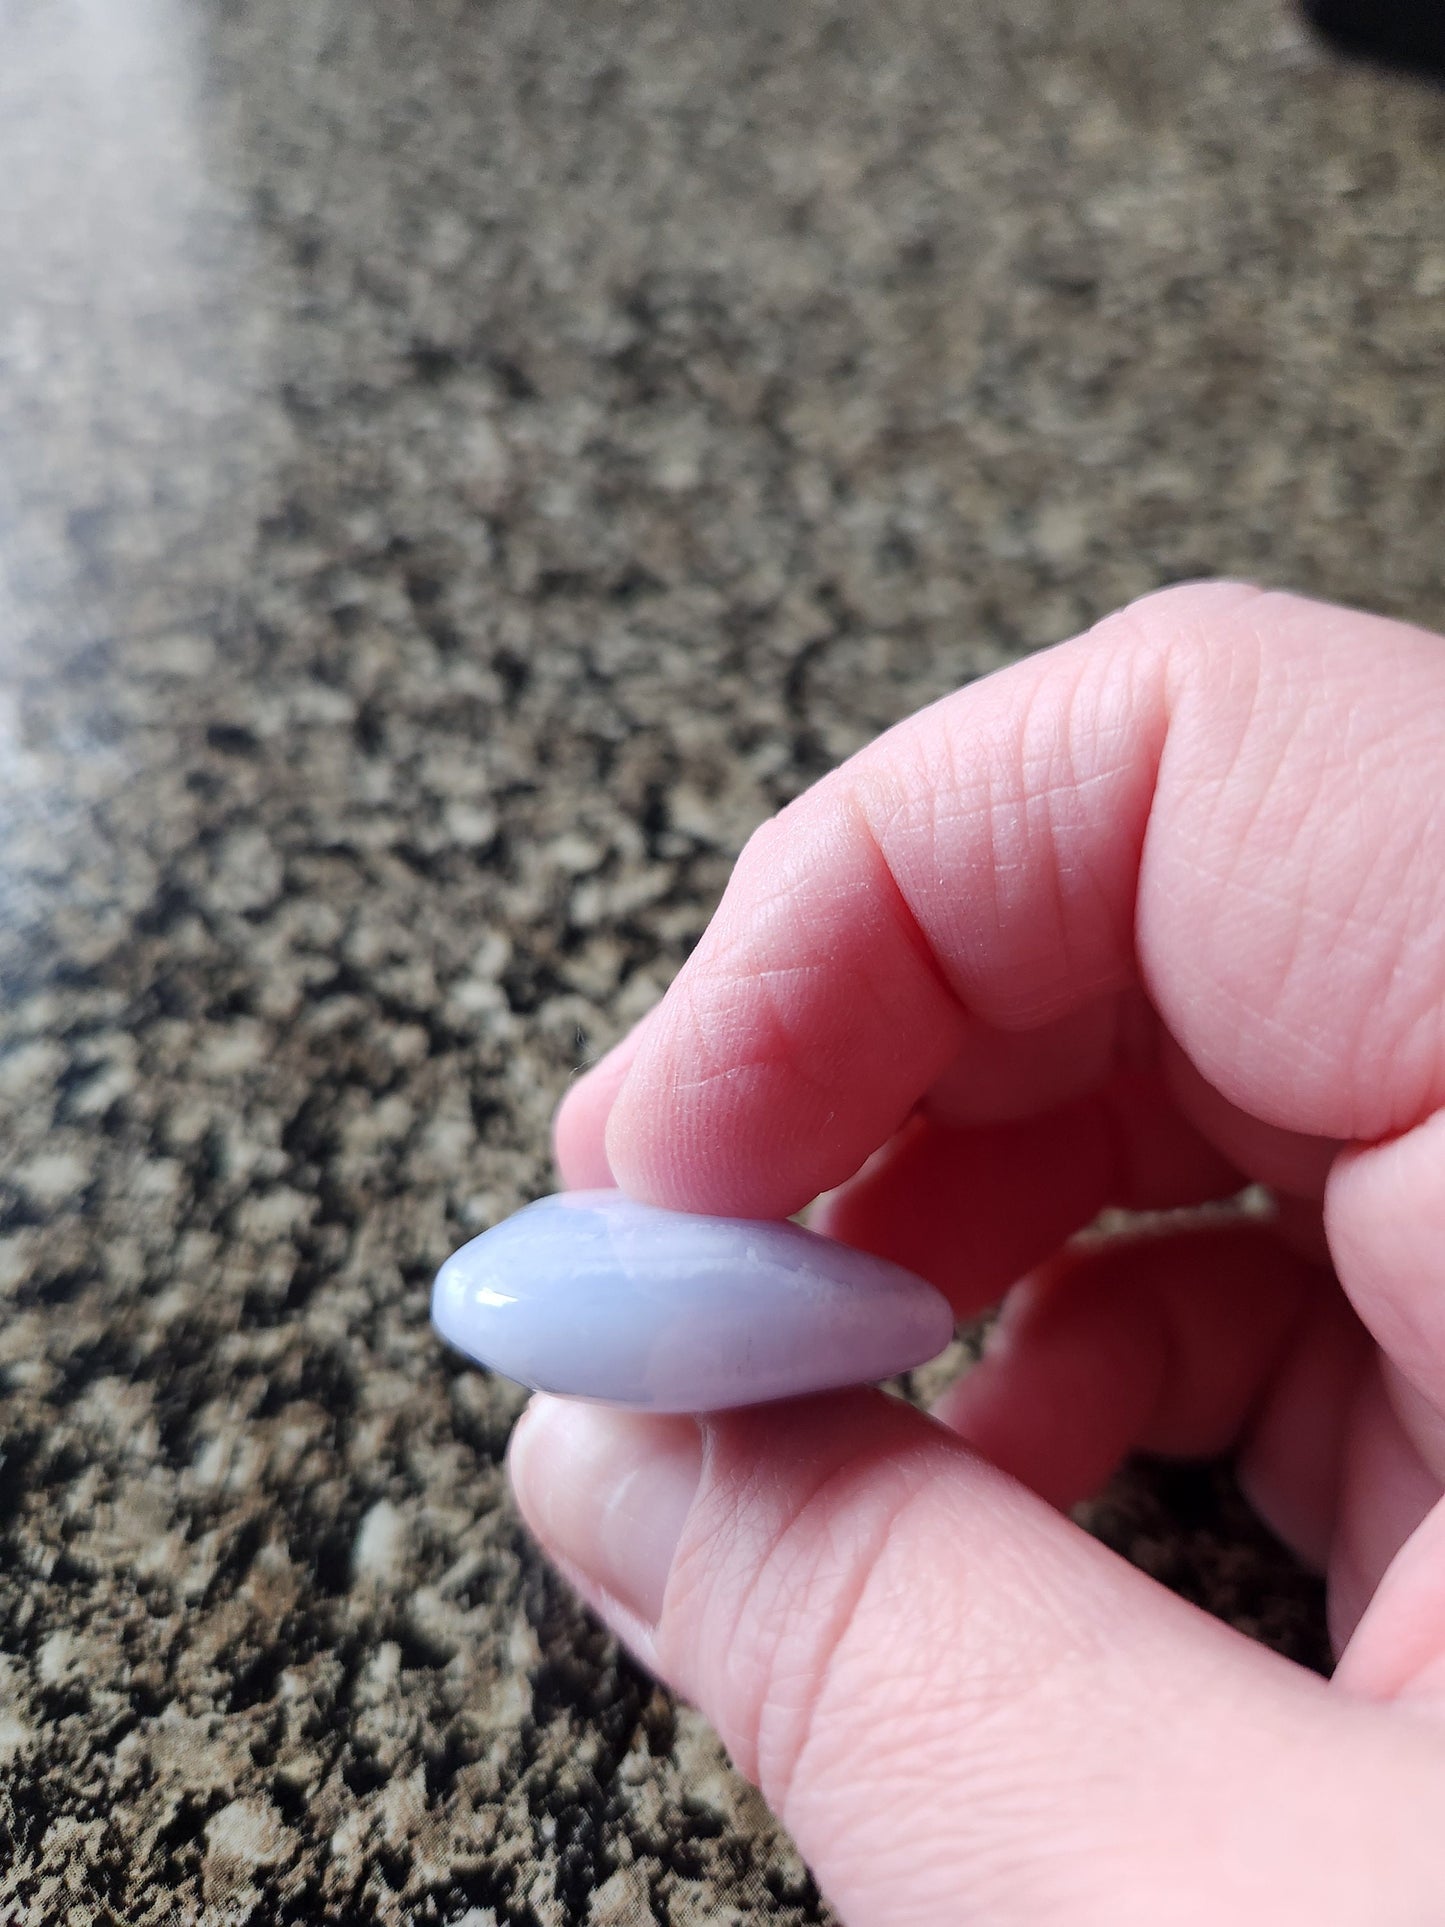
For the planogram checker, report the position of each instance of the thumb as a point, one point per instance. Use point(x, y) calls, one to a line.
point(961, 1706)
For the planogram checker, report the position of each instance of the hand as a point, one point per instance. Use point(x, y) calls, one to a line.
point(1137, 921)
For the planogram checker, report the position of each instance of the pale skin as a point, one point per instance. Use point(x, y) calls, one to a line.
point(1150, 916)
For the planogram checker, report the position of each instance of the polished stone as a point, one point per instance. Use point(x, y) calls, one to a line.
point(593, 1295)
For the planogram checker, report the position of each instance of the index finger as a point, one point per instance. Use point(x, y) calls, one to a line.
point(1225, 796)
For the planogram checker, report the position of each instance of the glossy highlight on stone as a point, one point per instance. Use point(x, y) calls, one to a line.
point(592, 1295)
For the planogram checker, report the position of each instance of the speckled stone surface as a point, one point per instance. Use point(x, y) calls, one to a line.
point(461, 466)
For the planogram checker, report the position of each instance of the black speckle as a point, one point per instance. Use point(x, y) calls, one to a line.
point(364, 1773)
point(434, 361)
point(517, 384)
point(232, 739)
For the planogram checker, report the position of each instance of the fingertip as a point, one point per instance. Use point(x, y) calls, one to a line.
point(607, 1494)
point(764, 1082)
point(741, 1156)
point(579, 1128)
point(579, 1147)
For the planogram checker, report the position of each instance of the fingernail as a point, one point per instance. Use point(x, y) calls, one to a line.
point(607, 1493)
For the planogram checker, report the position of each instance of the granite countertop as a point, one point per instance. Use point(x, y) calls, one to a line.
point(461, 466)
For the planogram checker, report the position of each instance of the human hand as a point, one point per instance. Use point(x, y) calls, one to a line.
point(1134, 922)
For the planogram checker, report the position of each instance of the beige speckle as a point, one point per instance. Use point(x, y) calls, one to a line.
point(239, 1046)
point(248, 871)
point(380, 1550)
point(15, 1261)
point(274, 1214)
point(468, 825)
point(57, 1658)
point(53, 1177)
point(621, 1900)
point(249, 1832)
point(15, 1736)
point(30, 1068)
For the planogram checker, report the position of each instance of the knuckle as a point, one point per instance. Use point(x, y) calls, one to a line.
point(1189, 627)
point(1183, 606)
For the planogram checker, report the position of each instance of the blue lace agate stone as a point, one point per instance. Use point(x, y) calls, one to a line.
point(592, 1295)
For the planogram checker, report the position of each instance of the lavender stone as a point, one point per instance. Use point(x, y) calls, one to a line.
point(595, 1296)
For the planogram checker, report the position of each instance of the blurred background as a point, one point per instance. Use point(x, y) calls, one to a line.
point(462, 466)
